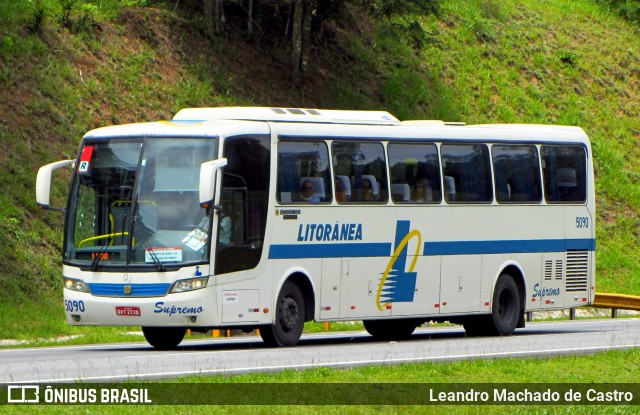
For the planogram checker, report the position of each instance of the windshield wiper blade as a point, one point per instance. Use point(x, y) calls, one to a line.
point(156, 261)
point(100, 254)
point(145, 243)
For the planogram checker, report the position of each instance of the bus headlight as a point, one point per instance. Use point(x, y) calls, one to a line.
point(75, 285)
point(189, 285)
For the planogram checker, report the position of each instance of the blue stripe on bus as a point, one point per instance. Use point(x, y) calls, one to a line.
point(507, 247)
point(346, 250)
point(353, 250)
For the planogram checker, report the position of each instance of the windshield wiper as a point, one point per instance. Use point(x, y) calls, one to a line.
point(145, 243)
point(100, 254)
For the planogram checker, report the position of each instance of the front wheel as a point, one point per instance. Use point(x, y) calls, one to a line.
point(287, 328)
point(164, 338)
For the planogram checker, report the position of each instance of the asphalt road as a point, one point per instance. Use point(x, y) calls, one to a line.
point(138, 361)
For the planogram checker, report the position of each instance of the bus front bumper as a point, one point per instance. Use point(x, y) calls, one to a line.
point(189, 309)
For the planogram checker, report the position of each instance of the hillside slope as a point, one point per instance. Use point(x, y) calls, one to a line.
point(143, 65)
point(560, 62)
point(555, 62)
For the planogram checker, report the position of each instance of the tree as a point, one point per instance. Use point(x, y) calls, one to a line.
point(301, 36)
point(304, 18)
point(213, 16)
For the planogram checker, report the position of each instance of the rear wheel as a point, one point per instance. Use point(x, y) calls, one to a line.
point(287, 328)
point(506, 306)
point(390, 329)
point(505, 314)
point(164, 338)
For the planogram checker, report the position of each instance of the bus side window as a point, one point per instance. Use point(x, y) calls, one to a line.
point(365, 165)
point(415, 172)
point(517, 173)
point(303, 172)
point(469, 169)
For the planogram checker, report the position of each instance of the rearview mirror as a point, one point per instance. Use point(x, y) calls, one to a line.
point(43, 182)
point(207, 180)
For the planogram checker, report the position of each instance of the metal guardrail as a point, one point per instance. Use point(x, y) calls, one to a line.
point(616, 302)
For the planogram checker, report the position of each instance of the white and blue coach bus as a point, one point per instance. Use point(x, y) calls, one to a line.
point(269, 217)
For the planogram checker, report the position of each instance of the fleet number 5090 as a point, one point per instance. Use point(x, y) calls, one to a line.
point(74, 306)
point(582, 222)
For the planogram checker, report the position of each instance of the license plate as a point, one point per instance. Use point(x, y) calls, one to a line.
point(128, 311)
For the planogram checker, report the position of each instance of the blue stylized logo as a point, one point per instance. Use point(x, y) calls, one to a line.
point(397, 284)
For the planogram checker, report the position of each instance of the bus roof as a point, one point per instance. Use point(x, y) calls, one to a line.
point(288, 115)
point(293, 122)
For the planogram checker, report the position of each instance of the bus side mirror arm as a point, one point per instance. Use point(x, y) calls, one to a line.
point(43, 183)
point(208, 171)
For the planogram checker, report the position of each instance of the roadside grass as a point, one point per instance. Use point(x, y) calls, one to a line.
point(43, 323)
point(333, 410)
point(616, 367)
point(612, 367)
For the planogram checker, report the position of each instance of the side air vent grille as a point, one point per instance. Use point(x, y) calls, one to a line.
point(577, 270)
point(559, 269)
point(548, 269)
point(553, 271)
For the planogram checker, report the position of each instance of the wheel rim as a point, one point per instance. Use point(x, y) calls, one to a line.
point(289, 314)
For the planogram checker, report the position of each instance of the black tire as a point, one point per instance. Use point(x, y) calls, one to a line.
point(506, 309)
point(390, 329)
point(290, 318)
point(505, 313)
point(164, 338)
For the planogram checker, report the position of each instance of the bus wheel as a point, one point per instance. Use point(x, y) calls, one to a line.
point(287, 329)
point(506, 306)
point(389, 329)
point(164, 338)
point(504, 316)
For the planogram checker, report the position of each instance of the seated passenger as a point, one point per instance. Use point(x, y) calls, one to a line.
point(224, 233)
point(367, 191)
point(341, 194)
point(306, 193)
point(422, 192)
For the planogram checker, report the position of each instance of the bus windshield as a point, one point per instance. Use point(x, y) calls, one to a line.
point(135, 202)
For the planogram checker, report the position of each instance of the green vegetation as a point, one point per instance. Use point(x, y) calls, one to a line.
point(67, 66)
point(629, 9)
point(613, 367)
